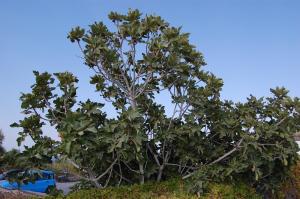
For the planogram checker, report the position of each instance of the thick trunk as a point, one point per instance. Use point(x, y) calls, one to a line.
point(141, 165)
point(142, 176)
point(97, 184)
point(160, 172)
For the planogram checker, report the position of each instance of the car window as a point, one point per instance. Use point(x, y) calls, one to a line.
point(47, 176)
point(37, 176)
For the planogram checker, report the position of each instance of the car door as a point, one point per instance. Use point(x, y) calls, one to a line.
point(34, 186)
point(41, 182)
point(27, 186)
point(45, 182)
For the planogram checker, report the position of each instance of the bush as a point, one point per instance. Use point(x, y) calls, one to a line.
point(173, 189)
point(177, 189)
point(224, 191)
point(291, 187)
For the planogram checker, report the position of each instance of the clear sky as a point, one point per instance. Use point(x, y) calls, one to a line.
point(252, 44)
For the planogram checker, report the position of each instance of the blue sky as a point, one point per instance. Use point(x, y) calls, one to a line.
point(253, 45)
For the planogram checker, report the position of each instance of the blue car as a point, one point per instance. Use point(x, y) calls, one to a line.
point(43, 182)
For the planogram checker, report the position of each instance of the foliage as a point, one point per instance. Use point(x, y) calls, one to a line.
point(53, 191)
point(204, 139)
point(172, 189)
point(2, 150)
point(62, 166)
point(266, 148)
point(290, 188)
point(9, 160)
point(82, 185)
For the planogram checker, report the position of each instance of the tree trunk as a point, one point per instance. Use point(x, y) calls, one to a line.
point(142, 176)
point(160, 171)
point(97, 184)
point(141, 165)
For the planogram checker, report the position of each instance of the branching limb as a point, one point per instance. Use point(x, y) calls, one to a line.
point(131, 169)
point(228, 153)
point(107, 170)
point(238, 145)
point(154, 155)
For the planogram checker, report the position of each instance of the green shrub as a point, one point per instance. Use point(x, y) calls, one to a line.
point(173, 189)
point(291, 187)
point(230, 191)
point(177, 189)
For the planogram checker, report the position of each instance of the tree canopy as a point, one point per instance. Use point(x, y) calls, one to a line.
point(204, 139)
point(2, 150)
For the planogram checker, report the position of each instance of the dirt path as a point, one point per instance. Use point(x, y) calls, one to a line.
point(65, 186)
point(16, 194)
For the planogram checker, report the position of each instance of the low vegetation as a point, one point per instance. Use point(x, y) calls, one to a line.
point(291, 187)
point(178, 189)
point(172, 189)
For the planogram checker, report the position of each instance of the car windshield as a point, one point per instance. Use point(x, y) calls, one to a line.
point(41, 175)
point(29, 174)
point(12, 172)
point(47, 176)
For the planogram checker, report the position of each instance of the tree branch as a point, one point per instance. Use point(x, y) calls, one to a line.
point(228, 153)
point(154, 155)
point(107, 170)
point(219, 159)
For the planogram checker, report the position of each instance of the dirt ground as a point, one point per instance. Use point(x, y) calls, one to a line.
point(15, 194)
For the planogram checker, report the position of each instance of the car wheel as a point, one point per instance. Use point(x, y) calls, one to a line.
point(49, 189)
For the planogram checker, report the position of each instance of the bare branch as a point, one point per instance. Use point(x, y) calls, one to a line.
point(228, 153)
point(133, 170)
point(220, 158)
point(107, 170)
point(108, 179)
point(154, 155)
point(281, 121)
point(39, 115)
point(123, 178)
point(178, 165)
